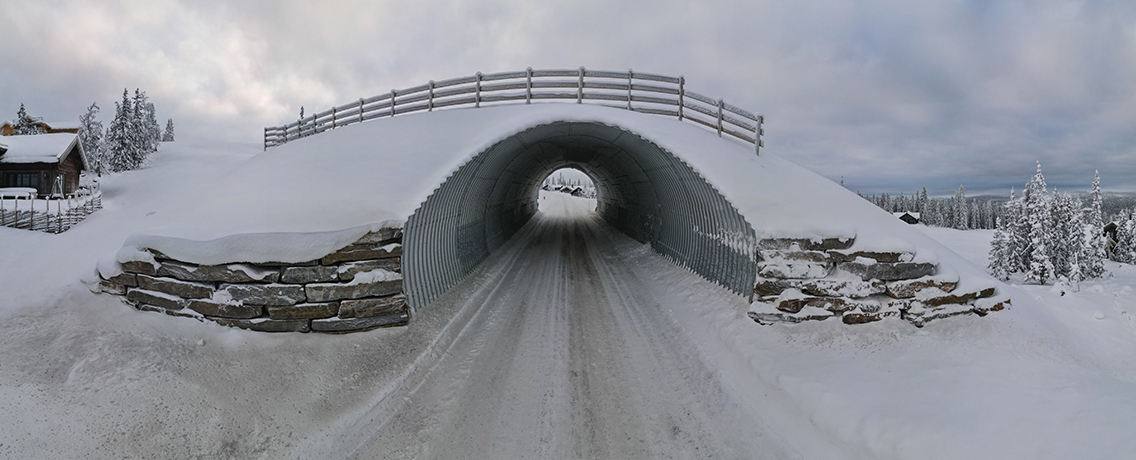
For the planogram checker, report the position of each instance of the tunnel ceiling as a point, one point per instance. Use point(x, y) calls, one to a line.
point(642, 190)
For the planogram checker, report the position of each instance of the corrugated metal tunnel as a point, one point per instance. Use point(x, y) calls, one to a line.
point(642, 190)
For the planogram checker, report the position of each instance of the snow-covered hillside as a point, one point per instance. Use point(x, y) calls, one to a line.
point(84, 375)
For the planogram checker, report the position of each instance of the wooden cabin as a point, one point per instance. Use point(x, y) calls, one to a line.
point(9, 129)
point(40, 161)
point(909, 217)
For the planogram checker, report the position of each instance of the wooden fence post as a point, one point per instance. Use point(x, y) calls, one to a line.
point(720, 103)
point(757, 143)
point(528, 85)
point(333, 117)
point(265, 139)
point(580, 87)
point(630, 75)
point(477, 91)
point(681, 93)
point(360, 110)
point(392, 102)
point(430, 104)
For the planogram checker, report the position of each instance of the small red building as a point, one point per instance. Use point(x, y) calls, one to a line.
point(40, 161)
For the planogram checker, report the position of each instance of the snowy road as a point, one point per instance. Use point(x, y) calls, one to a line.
point(569, 356)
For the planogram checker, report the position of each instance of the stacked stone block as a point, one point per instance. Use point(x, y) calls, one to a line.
point(811, 280)
point(356, 288)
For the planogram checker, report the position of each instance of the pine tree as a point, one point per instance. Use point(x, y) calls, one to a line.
point(1096, 245)
point(24, 124)
point(1036, 207)
point(168, 136)
point(960, 209)
point(1067, 237)
point(90, 136)
point(1002, 249)
point(119, 145)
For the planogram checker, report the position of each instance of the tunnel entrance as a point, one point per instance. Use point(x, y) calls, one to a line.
point(641, 190)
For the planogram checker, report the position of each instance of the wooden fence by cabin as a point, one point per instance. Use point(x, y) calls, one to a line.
point(51, 215)
point(636, 91)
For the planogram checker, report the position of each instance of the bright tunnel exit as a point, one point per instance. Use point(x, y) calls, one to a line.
point(567, 193)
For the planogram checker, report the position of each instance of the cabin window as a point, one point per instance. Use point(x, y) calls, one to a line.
point(28, 179)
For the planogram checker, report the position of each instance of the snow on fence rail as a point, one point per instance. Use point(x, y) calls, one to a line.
point(52, 216)
point(637, 91)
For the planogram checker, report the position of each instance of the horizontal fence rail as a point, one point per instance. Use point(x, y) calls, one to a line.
point(636, 91)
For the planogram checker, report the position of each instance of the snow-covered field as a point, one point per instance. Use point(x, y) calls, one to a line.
point(86, 376)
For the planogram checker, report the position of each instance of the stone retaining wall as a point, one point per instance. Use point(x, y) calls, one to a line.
point(802, 280)
point(356, 288)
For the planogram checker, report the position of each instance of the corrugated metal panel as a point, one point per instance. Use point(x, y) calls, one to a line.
point(643, 191)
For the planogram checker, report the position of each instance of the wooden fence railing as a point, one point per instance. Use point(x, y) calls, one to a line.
point(637, 91)
point(55, 216)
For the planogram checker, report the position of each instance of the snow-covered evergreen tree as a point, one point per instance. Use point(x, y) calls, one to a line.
point(24, 124)
point(119, 145)
point(1036, 207)
point(960, 209)
point(168, 136)
point(91, 136)
point(1067, 237)
point(1096, 246)
point(1125, 249)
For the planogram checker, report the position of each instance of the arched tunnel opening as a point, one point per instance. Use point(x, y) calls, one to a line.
point(642, 190)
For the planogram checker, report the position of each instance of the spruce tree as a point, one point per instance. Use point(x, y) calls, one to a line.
point(119, 145)
point(960, 209)
point(168, 136)
point(1096, 246)
point(1036, 207)
point(90, 136)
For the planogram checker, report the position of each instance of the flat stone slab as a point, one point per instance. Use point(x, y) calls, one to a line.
point(305, 311)
point(231, 273)
point(140, 267)
point(844, 255)
point(808, 244)
point(384, 235)
point(867, 269)
point(111, 288)
point(274, 295)
point(934, 297)
point(304, 275)
point(265, 325)
point(158, 299)
point(225, 310)
point(989, 304)
point(183, 313)
point(125, 279)
point(335, 291)
point(372, 307)
point(348, 270)
point(356, 252)
point(772, 315)
point(906, 289)
point(793, 270)
point(183, 289)
point(336, 325)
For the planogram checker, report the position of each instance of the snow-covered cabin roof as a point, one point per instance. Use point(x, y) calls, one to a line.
point(39, 148)
point(910, 213)
point(61, 124)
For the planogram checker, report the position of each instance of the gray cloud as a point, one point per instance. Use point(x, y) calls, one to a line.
point(892, 95)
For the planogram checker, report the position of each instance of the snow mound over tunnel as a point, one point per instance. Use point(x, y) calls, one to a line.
point(386, 169)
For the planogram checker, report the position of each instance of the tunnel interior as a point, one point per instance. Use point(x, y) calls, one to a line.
point(642, 190)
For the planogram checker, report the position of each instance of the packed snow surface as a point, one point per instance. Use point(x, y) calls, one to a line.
point(662, 358)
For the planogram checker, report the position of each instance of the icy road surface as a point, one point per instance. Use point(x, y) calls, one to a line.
point(569, 357)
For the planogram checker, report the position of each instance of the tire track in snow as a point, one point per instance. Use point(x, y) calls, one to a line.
point(570, 358)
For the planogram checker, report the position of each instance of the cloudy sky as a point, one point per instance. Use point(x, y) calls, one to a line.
point(892, 95)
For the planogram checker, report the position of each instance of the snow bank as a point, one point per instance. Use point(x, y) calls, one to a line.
point(279, 247)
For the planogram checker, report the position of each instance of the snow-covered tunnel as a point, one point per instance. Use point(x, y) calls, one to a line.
point(642, 190)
